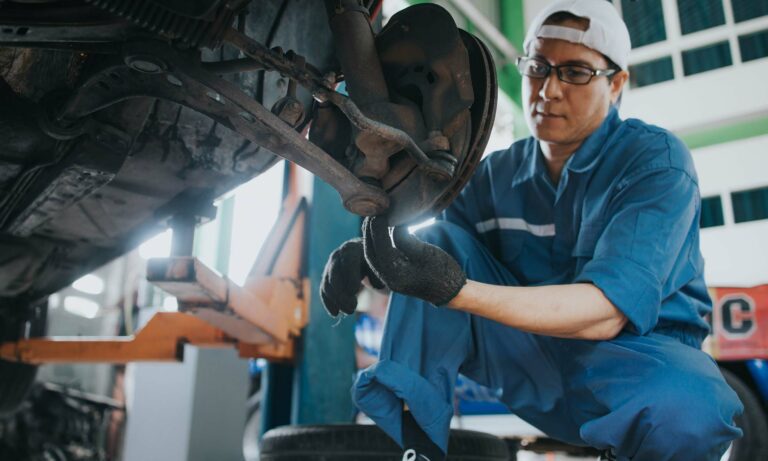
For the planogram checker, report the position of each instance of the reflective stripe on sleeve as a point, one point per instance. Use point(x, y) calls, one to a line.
point(539, 230)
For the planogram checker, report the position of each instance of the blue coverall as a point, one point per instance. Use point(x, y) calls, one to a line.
point(624, 216)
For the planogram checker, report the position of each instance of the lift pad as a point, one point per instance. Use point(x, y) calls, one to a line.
point(260, 319)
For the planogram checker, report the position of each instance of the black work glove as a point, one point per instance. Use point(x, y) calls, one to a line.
point(345, 269)
point(409, 266)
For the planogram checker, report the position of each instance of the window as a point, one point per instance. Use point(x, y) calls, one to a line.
point(696, 15)
point(711, 212)
point(750, 205)
point(754, 46)
point(645, 21)
point(706, 58)
point(749, 9)
point(648, 73)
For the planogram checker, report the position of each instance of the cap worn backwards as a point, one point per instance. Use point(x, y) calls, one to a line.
point(606, 33)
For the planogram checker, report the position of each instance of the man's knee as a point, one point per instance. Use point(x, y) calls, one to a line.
point(685, 421)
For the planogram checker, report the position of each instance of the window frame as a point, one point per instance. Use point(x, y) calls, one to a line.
point(676, 43)
point(721, 212)
point(743, 192)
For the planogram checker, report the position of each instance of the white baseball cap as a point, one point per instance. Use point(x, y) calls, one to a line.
point(606, 33)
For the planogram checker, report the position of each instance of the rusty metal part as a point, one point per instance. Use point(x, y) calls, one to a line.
point(417, 197)
point(427, 66)
point(165, 74)
point(411, 127)
point(306, 75)
point(400, 139)
point(356, 51)
point(382, 128)
point(482, 113)
point(288, 108)
point(446, 76)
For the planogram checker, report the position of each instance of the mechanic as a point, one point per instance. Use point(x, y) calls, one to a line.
point(567, 274)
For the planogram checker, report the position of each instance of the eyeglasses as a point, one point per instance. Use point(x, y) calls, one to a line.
point(568, 73)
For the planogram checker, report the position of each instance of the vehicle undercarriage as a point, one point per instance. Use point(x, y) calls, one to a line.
point(117, 116)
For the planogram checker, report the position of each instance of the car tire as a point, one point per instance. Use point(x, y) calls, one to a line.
point(368, 443)
point(16, 378)
point(754, 444)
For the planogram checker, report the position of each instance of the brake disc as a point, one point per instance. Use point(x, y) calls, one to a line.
point(416, 196)
point(447, 76)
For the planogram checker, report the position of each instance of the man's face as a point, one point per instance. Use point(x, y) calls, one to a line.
point(562, 113)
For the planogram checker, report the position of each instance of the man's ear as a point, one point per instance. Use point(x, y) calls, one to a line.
point(618, 81)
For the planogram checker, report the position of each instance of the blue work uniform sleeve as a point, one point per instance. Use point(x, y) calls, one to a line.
point(649, 224)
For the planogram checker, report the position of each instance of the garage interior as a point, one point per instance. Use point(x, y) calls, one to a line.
point(175, 174)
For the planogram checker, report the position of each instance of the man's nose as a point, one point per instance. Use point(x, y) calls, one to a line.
point(552, 88)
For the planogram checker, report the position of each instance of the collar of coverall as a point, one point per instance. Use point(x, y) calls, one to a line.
point(584, 159)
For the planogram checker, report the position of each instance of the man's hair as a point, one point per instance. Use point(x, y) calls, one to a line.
point(563, 16)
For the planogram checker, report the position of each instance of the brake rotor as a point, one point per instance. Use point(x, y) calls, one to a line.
point(445, 75)
point(416, 196)
point(424, 60)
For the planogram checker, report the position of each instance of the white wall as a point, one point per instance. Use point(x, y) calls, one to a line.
point(736, 254)
point(732, 166)
point(710, 98)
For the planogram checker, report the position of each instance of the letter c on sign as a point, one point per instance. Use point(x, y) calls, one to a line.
point(737, 316)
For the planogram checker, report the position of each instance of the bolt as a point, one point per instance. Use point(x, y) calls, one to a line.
point(443, 166)
point(146, 64)
point(173, 80)
point(365, 206)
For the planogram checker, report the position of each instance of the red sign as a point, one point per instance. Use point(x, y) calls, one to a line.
point(739, 323)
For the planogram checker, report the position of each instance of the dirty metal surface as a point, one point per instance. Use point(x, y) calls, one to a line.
point(164, 73)
point(441, 85)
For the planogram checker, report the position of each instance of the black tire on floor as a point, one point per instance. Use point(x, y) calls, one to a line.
point(754, 444)
point(368, 443)
point(16, 378)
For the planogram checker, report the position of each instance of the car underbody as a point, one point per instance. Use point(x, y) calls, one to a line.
point(118, 116)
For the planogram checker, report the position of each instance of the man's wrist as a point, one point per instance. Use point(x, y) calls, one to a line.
point(458, 301)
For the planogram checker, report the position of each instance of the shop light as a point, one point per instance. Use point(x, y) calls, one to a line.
point(90, 284)
point(81, 306)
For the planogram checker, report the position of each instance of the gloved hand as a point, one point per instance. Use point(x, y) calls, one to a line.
point(343, 273)
point(409, 266)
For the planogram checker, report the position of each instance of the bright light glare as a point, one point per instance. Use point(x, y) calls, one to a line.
point(170, 304)
point(415, 227)
point(91, 284)
point(158, 246)
point(257, 204)
point(81, 306)
point(54, 301)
